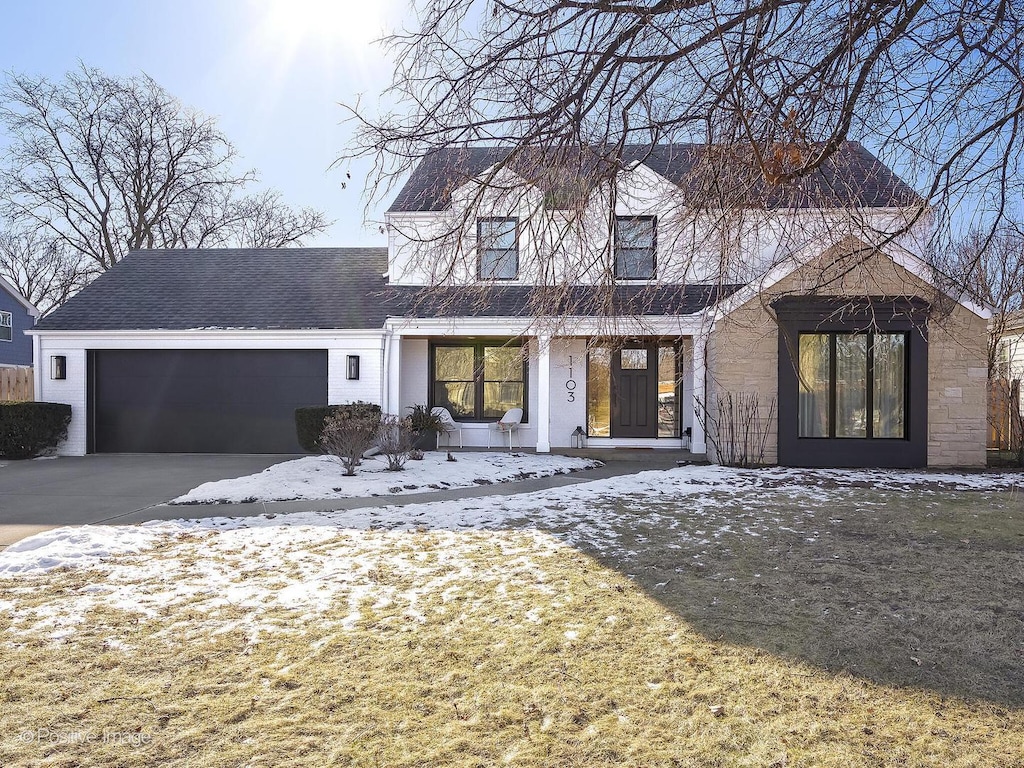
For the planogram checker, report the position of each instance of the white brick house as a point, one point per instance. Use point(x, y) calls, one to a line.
point(869, 363)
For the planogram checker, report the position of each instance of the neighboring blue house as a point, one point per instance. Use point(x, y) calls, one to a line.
point(16, 316)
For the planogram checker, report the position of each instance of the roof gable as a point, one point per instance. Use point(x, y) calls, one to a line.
point(853, 177)
point(15, 294)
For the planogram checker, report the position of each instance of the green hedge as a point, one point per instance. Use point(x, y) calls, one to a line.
point(29, 429)
point(309, 421)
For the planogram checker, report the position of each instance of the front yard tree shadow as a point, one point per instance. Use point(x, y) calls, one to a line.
point(919, 589)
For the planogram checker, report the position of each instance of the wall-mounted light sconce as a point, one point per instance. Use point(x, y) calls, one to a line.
point(353, 367)
point(58, 367)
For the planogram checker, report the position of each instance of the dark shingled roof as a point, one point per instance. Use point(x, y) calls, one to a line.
point(852, 177)
point(327, 288)
point(283, 288)
point(530, 301)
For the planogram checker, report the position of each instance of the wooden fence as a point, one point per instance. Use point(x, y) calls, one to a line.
point(16, 384)
point(1004, 419)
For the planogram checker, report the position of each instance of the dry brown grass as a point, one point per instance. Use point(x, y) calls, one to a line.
point(742, 626)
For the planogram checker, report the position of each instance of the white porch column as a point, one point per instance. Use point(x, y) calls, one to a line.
point(393, 376)
point(544, 393)
point(698, 440)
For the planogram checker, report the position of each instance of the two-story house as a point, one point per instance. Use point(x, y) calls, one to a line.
point(634, 316)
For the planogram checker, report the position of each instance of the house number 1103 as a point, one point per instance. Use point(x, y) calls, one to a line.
point(570, 385)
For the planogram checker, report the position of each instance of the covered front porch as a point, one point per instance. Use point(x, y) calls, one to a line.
point(632, 390)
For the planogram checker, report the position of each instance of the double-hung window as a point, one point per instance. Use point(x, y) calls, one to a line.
point(635, 243)
point(478, 381)
point(852, 385)
point(6, 326)
point(498, 245)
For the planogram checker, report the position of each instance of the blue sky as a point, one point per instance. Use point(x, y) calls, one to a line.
point(271, 71)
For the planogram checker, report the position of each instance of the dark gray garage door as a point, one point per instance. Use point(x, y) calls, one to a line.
point(201, 401)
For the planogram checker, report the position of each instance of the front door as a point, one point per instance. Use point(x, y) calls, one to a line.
point(634, 392)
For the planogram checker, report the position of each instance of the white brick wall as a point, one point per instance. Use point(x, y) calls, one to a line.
point(367, 345)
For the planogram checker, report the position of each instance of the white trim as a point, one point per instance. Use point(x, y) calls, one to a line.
point(670, 443)
point(218, 333)
point(37, 364)
point(31, 308)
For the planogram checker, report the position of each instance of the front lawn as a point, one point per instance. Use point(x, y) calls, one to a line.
point(696, 617)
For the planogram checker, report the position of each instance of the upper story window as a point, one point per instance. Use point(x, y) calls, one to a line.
point(635, 240)
point(6, 326)
point(498, 244)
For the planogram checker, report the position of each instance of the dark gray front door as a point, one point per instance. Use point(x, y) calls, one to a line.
point(635, 392)
point(201, 401)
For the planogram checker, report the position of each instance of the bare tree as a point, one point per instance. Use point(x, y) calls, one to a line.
point(108, 164)
point(773, 89)
point(990, 264)
point(40, 267)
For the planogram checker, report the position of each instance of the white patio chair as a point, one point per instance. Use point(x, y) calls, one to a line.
point(510, 423)
point(449, 426)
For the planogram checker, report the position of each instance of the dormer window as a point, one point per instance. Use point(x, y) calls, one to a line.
point(498, 245)
point(635, 239)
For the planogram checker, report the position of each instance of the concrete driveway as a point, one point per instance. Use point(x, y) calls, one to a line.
point(45, 493)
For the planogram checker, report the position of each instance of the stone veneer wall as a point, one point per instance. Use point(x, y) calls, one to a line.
point(742, 353)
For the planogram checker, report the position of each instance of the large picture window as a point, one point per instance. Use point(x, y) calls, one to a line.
point(635, 242)
point(498, 243)
point(479, 381)
point(852, 385)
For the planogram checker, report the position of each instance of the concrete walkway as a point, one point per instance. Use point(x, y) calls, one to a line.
point(128, 489)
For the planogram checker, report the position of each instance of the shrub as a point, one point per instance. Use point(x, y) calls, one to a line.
point(310, 421)
point(348, 434)
point(29, 429)
point(737, 428)
point(422, 419)
point(394, 438)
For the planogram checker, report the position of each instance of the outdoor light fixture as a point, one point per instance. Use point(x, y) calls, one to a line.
point(579, 438)
point(58, 367)
point(353, 367)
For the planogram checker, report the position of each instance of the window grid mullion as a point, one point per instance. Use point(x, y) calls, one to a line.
point(478, 379)
point(832, 410)
point(869, 385)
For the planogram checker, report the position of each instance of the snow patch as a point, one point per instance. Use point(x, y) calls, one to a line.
point(322, 477)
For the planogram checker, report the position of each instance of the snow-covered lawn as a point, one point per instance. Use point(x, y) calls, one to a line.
point(322, 477)
point(693, 616)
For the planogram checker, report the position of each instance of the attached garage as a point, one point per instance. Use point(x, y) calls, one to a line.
point(200, 401)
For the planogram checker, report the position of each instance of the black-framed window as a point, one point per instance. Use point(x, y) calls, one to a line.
point(498, 245)
point(852, 385)
point(635, 245)
point(6, 326)
point(853, 381)
point(479, 380)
